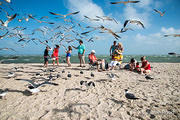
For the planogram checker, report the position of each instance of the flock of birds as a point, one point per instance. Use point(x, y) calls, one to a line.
point(68, 31)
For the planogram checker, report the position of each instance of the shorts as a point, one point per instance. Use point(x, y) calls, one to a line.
point(55, 58)
point(45, 59)
point(114, 63)
point(81, 56)
point(68, 55)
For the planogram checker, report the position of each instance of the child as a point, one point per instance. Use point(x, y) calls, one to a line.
point(55, 55)
point(68, 55)
point(146, 67)
point(132, 64)
point(137, 67)
point(46, 55)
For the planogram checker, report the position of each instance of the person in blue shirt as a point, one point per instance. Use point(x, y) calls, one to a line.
point(81, 52)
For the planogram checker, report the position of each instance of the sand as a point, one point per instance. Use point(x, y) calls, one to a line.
point(159, 98)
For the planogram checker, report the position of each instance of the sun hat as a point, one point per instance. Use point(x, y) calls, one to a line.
point(93, 51)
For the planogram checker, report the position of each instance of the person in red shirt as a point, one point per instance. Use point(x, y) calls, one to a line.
point(146, 67)
point(96, 62)
point(55, 55)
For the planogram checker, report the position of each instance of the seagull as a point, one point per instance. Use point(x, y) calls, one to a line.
point(3, 93)
point(83, 82)
point(1, 37)
point(11, 74)
point(91, 84)
point(174, 35)
point(92, 75)
point(124, 2)
point(5, 24)
point(161, 13)
point(69, 74)
point(130, 95)
point(107, 18)
point(64, 16)
point(30, 16)
point(34, 88)
point(149, 77)
point(91, 18)
point(125, 29)
point(81, 72)
point(133, 21)
point(7, 49)
point(63, 71)
point(9, 1)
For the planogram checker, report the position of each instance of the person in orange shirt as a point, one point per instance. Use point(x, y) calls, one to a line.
point(96, 62)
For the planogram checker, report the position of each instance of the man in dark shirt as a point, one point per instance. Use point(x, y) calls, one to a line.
point(46, 55)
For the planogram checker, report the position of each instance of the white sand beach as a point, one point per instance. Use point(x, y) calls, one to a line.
point(159, 98)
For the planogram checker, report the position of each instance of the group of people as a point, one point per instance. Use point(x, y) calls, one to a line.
point(116, 51)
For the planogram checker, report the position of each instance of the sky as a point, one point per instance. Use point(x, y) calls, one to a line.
point(148, 41)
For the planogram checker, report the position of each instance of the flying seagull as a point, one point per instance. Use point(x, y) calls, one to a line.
point(130, 95)
point(124, 2)
point(3, 93)
point(110, 31)
point(174, 35)
point(64, 16)
point(34, 88)
point(161, 13)
point(1, 37)
point(133, 22)
point(5, 24)
point(9, 1)
point(7, 49)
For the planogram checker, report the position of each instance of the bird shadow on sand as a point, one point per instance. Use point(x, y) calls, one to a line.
point(73, 89)
point(103, 80)
point(25, 92)
point(69, 109)
point(120, 102)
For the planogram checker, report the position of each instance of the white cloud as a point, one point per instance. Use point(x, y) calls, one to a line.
point(86, 7)
point(170, 30)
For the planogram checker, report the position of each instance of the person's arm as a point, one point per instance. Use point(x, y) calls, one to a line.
point(147, 63)
point(110, 50)
point(74, 47)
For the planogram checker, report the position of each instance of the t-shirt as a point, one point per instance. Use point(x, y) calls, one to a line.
point(113, 48)
point(92, 58)
point(81, 49)
point(55, 52)
point(46, 52)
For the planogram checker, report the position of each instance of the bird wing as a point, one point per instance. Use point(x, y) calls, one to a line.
point(133, 1)
point(157, 11)
point(73, 13)
point(125, 23)
point(46, 82)
point(10, 19)
point(116, 2)
point(55, 13)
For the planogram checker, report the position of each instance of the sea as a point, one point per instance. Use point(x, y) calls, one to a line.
point(6, 59)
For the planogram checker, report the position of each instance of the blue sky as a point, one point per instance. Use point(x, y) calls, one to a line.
point(140, 41)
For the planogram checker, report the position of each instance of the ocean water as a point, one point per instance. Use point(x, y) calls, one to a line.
point(74, 58)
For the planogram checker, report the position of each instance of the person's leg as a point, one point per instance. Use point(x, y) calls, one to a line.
point(80, 59)
point(53, 62)
point(142, 70)
point(147, 71)
point(83, 60)
point(68, 61)
point(57, 60)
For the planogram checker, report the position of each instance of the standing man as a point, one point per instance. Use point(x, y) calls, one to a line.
point(112, 48)
point(81, 52)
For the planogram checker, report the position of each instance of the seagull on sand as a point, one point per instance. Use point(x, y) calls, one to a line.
point(92, 75)
point(130, 95)
point(11, 74)
point(161, 13)
point(148, 77)
point(124, 2)
point(69, 74)
point(5, 24)
point(34, 87)
point(3, 93)
point(87, 84)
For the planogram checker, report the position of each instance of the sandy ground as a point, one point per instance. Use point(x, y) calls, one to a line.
point(159, 98)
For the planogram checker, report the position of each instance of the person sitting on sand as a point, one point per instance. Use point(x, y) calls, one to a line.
point(81, 52)
point(68, 55)
point(118, 57)
point(146, 67)
point(55, 55)
point(137, 67)
point(46, 56)
point(96, 62)
point(132, 64)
